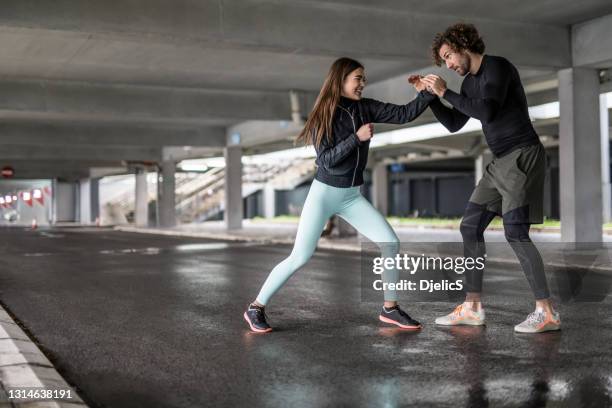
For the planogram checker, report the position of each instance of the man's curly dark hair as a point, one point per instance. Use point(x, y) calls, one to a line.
point(459, 37)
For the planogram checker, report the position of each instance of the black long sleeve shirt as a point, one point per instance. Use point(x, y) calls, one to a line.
point(495, 96)
point(342, 159)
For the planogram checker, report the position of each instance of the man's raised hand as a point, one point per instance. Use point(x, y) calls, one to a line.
point(435, 84)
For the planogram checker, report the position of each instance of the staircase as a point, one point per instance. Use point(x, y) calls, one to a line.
point(209, 202)
point(200, 196)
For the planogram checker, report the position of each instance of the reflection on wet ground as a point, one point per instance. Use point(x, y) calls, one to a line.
point(135, 320)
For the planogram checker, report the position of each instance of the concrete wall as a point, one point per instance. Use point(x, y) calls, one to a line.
point(20, 212)
point(429, 194)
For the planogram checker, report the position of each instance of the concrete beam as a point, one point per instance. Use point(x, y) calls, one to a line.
point(99, 172)
point(257, 132)
point(591, 45)
point(540, 88)
point(10, 152)
point(59, 164)
point(177, 154)
point(60, 174)
point(106, 135)
point(391, 154)
point(296, 27)
point(397, 89)
point(104, 102)
point(63, 169)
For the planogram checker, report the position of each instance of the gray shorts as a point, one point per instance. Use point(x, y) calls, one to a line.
point(513, 186)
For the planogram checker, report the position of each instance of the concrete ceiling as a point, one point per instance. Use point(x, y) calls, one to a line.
point(253, 44)
point(554, 12)
point(119, 80)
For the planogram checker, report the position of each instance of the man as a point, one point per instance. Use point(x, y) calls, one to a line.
point(513, 183)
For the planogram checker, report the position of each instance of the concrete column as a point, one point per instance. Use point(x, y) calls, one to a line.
point(269, 199)
point(605, 157)
point(478, 168)
point(141, 202)
point(480, 164)
point(166, 199)
point(380, 188)
point(580, 156)
point(89, 201)
point(65, 203)
point(233, 187)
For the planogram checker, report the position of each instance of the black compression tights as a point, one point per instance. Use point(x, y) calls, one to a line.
point(475, 220)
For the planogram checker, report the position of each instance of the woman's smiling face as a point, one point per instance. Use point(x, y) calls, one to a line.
point(353, 84)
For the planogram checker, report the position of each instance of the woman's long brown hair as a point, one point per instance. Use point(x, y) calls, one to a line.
point(320, 119)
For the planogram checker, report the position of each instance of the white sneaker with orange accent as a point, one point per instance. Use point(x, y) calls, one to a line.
point(463, 315)
point(538, 322)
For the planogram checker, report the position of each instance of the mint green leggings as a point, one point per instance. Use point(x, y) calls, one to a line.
point(322, 202)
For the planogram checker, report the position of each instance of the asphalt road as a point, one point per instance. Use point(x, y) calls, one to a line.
point(149, 321)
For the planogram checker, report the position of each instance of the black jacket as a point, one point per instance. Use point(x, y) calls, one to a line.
point(341, 162)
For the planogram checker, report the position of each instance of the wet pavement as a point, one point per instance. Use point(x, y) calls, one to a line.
point(137, 320)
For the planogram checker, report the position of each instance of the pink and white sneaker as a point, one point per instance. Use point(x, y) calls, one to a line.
point(463, 315)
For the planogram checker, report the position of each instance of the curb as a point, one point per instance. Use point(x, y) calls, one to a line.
point(455, 227)
point(24, 366)
point(234, 238)
point(322, 244)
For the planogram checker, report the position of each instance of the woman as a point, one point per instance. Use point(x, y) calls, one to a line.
point(340, 127)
